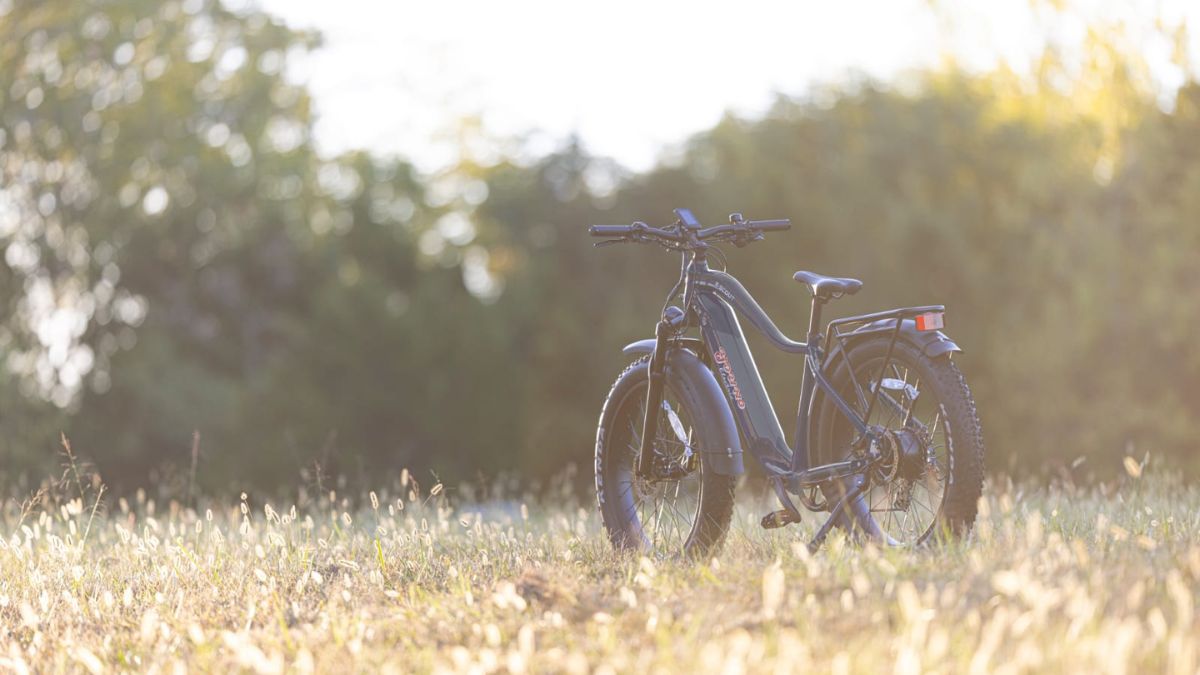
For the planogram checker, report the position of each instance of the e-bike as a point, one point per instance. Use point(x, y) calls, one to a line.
point(887, 438)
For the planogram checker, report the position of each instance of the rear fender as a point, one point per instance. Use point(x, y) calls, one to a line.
point(932, 343)
point(822, 410)
point(689, 377)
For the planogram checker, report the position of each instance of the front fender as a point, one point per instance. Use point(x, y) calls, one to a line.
point(640, 347)
point(693, 381)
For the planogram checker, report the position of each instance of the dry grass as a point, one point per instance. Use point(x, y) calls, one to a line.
point(1060, 579)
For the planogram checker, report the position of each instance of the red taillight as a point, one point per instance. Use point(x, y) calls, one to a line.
point(931, 321)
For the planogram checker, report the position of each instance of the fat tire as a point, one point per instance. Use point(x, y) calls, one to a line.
point(966, 452)
point(716, 490)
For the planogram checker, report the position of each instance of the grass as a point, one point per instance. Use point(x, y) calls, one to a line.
point(1073, 579)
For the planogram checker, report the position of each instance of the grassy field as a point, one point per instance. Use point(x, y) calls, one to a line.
point(1098, 579)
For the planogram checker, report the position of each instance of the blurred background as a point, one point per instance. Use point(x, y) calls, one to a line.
point(259, 243)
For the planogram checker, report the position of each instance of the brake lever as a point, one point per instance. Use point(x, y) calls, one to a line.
point(744, 239)
point(610, 242)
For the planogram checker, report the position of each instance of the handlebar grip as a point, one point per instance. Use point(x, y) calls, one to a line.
point(610, 230)
point(769, 225)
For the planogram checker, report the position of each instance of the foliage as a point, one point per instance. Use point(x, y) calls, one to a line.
point(178, 258)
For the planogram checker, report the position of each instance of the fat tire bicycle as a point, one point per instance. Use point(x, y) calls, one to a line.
point(887, 440)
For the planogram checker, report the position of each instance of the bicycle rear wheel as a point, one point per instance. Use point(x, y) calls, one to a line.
point(930, 482)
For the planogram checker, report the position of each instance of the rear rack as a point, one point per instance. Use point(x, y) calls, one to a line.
point(837, 326)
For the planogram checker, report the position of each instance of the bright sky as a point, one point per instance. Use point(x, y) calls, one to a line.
point(629, 76)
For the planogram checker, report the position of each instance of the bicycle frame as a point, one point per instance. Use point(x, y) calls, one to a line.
point(715, 299)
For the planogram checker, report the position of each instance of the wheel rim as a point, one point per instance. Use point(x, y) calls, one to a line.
point(662, 514)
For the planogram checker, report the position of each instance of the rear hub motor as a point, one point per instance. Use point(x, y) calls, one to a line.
point(903, 456)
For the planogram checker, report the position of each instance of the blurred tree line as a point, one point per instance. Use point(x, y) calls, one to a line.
point(179, 259)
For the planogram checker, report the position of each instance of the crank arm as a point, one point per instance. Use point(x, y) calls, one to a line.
point(788, 514)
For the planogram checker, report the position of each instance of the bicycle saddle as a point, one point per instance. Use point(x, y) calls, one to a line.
point(828, 287)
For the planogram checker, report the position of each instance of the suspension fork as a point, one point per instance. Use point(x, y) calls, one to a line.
point(654, 397)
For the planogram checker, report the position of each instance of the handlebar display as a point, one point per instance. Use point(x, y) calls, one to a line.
point(687, 219)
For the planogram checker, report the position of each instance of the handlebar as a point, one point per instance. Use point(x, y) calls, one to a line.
point(637, 229)
point(779, 224)
point(738, 231)
point(745, 227)
point(609, 230)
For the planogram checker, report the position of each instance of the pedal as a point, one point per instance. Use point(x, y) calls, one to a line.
point(780, 518)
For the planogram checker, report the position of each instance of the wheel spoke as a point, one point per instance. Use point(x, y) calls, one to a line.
point(657, 517)
point(661, 512)
point(905, 509)
point(928, 510)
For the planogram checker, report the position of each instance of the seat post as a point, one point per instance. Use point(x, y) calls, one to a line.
point(814, 317)
point(800, 449)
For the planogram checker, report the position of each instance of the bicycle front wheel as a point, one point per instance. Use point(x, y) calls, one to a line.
point(688, 513)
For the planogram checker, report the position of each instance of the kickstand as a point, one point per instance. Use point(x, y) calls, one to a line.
point(834, 514)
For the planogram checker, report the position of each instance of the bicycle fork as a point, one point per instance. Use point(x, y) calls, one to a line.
point(654, 396)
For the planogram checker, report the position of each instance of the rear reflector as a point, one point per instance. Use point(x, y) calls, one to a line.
point(931, 321)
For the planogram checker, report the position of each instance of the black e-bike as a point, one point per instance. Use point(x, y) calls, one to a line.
point(887, 438)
